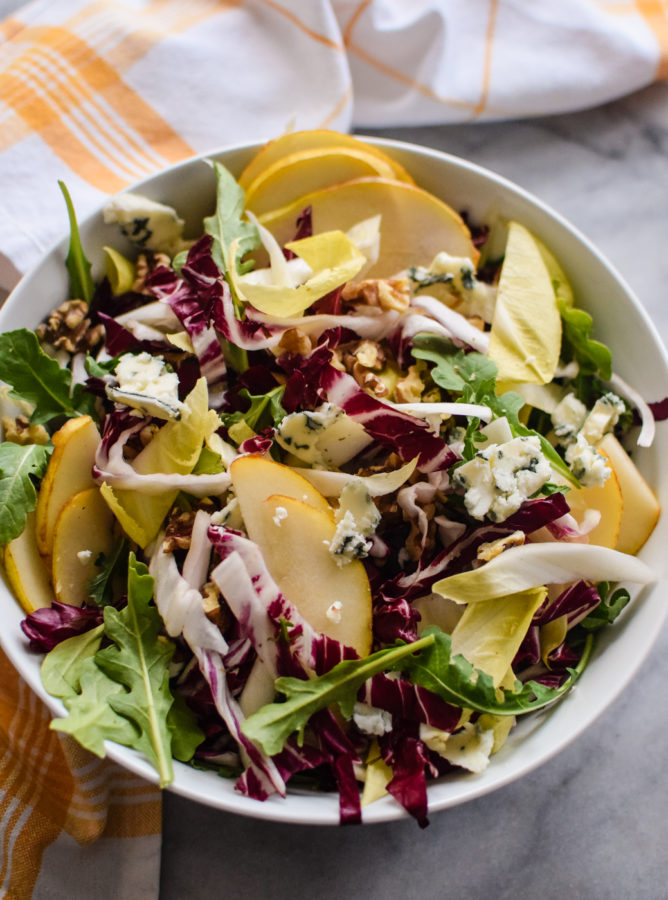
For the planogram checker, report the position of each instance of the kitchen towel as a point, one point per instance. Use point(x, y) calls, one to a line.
point(101, 94)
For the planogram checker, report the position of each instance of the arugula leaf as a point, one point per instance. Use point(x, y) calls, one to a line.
point(592, 356)
point(226, 224)
point(101, 586)
point(62, 667)
point(82, 286)
point(124, 691)
point(99, 369)
point(272, 725)
point(265, 410)
point(92, 720)
point(139, 661)
point(186, 734)
point(38, 379)
point(456, 681)
point(608, 609)
point(18, 497)
point(473, 375)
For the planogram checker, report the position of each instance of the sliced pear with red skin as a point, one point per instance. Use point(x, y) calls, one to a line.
point(255, 478)
point(415, 225)
point(84, 529)
point(640, 507)
point(68, 472)
point(299, 173)
point(607, 499)
point(335, 599)
point(26, 571)
point(301, 141)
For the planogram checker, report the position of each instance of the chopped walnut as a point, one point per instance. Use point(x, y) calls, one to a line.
point(370, 355)
point(147, 263)
point(489, 550)
point(387, 293)
point(68, 327)
point(294, 340)
point(20, 431)
point(211, 603)
point(147, 433)
point(369, 381)
point(410, 388)
point(178, 530)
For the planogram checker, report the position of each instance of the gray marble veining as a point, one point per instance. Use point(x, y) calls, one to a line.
point(591, 823)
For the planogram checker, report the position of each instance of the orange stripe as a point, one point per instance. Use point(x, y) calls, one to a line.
point(654, 13)
point(407, 80)
point(104, 79)
point(320, 38)
point(134, 819)
point(93, 75)
point(61, 94)
point(489, 41)
point(338, 109)
point(352, 22)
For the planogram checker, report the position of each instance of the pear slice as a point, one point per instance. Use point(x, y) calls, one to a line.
point(84, 529)
point(68, 472)
point(25, 570)
point(414, 226)
point(641, 508)
point(607, 499)
point(294, 538)
point(255, 478)
point(317, 139)
point(309, 170)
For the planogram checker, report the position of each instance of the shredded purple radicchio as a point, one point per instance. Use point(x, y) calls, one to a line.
point(47, 627)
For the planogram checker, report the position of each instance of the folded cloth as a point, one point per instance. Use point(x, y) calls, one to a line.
point(102, 94)
point(56, 799)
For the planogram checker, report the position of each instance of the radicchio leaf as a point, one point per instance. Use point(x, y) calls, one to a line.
point(49, 626)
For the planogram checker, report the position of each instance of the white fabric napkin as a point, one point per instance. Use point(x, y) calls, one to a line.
point(102, 94)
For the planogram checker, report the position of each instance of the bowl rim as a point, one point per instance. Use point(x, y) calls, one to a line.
point(319, 808)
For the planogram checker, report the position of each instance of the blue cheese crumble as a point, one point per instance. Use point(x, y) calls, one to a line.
point(579, 430)
point(148, 224)
point(475, 298)
point(356, 520)
point(146, 384)
point(501, 477)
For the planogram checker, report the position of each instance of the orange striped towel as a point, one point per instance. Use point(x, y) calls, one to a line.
point(103, 93)
point(56, 799)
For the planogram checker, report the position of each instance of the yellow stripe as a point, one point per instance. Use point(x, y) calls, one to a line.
point(291, 17)
point(489, 41)
point(655, 14)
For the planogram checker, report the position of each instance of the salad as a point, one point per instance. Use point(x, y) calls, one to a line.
point(325, 496)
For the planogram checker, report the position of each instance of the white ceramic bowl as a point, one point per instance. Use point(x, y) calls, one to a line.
point(639, 356)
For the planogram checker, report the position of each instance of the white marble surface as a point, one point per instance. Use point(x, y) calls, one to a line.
point(591, 823)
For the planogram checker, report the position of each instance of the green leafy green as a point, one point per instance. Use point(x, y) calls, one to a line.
point(456, 681)
point(99, 369)
point(62, 667)
point(226, 224)
point(611, 605)
point(272, 725)
point(473, 377)
point(124, 690)
point(265, 410)
point(591, 356)
point(428, 662)
point(186, 734)
point(82, 286)
point(101, 586)
point(37, 378)
point(19, 465)
point(92, 720)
